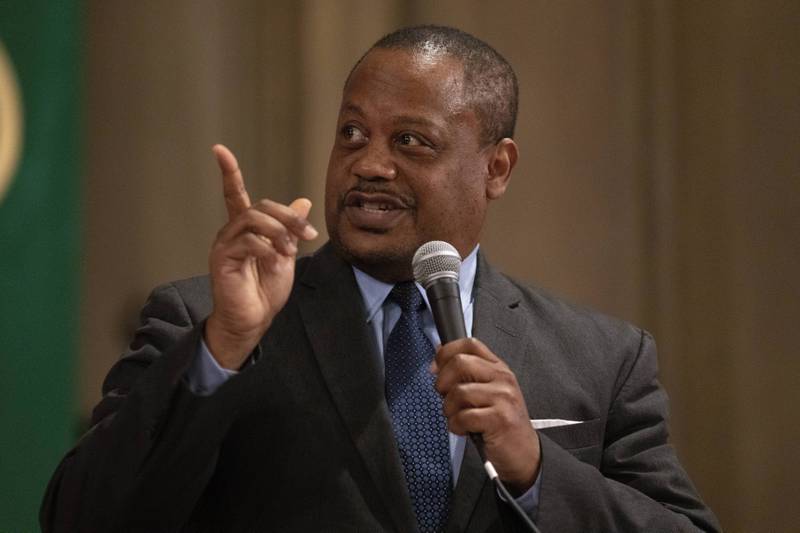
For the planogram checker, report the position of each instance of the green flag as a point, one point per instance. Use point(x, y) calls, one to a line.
point(39, 238)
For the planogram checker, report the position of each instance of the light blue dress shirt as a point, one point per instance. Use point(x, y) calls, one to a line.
point(204, 376)
point(383, 314)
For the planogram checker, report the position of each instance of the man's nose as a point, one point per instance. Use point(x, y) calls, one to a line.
point(375, 161)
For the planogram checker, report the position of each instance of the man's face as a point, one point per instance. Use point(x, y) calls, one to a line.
point(407, 165)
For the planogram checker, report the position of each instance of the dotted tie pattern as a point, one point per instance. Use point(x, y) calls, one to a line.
point(416, 408)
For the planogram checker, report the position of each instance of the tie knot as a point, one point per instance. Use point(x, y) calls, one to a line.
point(407, 296)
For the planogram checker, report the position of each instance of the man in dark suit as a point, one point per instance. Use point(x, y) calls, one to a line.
point(258, 398)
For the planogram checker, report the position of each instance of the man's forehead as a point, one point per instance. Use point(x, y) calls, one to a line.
point(420, 78)
point(410, 65)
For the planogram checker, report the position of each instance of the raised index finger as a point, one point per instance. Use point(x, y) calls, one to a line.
point(236, 197)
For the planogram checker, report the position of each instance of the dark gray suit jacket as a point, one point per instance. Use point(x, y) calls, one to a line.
point(301, 439)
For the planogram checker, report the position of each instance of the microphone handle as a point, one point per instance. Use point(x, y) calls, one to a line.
point(444, 298)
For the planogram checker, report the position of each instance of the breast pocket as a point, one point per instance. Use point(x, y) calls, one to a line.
point(583, 440)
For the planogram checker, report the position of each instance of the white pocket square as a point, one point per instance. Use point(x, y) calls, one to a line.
point(543, 423)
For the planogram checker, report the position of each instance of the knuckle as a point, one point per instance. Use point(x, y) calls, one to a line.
point(470, 418)
point(460, 359)
point(506, 394)
point(234, 191)
point(505, 375)
point(505, 416)
point(455, 395)
point(461, 391)
point(472, 344)
point(251, 239)
point(292, 217)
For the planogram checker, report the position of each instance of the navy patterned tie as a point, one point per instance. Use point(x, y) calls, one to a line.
point(416, 408)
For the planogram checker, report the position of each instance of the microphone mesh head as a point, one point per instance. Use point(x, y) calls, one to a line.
point(434, 260)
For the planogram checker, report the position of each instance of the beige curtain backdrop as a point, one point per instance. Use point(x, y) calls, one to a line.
point(658, 181)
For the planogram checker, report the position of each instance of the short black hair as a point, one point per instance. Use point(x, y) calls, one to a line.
point(489, 81)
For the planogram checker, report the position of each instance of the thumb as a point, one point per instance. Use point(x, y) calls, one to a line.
point(301, 206)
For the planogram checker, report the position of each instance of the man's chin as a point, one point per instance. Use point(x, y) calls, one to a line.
point(378, 255)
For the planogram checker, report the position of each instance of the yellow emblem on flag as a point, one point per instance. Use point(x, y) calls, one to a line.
point(10, 122)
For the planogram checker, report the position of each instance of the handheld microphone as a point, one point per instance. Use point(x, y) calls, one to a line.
point(436, 266)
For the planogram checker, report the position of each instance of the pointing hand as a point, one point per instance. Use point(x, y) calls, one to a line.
point(251, 265)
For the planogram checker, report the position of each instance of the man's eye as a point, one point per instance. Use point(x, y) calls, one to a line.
point(407, 139)
point(353, 134)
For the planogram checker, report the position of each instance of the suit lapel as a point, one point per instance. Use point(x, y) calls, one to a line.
point(499, 324)
point(333, 313)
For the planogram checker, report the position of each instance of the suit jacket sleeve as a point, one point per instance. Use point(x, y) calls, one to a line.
point(152, 446)
point(640, 485)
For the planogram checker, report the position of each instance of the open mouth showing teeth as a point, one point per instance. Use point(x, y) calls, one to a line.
point(376, 207)
point(374, 202)
point(375, 211)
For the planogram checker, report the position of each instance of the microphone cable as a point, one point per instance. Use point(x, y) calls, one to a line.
point(477, 439)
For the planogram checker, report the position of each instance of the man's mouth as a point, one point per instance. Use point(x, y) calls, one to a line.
point(375, 201)
point(373, 206)
point(374, 211)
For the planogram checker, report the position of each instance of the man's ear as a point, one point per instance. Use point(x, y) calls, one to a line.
point(501, 163)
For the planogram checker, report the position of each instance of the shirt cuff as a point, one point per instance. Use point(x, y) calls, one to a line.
point(529, 500)
point(205, 376)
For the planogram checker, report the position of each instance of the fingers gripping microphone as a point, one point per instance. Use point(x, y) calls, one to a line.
point(436, 266)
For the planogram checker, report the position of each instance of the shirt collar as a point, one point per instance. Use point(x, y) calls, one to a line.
point(374, 291)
